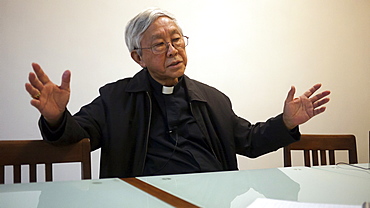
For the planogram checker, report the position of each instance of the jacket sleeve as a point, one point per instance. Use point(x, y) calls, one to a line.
point(263, 137)
point(87, 123)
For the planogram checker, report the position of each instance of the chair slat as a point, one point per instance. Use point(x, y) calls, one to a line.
point(323, 143)
point(2, 176)
point(33, 173)
point(323, 157)
point(48, 172)
point(307, 158)
point(287, 155)
point(17, 173)
point(315, 157)
point(332, 157)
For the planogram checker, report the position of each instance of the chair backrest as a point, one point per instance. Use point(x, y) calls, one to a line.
point(32, 152)
point(318, 145)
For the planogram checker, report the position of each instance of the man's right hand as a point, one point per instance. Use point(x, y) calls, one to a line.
point(51, 100)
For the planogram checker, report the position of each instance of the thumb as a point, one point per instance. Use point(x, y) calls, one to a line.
point(66, 79)
point(290, 94)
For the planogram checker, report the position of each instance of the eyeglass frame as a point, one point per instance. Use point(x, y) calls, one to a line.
point(167, 45)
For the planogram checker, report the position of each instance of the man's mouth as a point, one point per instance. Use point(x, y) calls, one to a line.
point(174, 63)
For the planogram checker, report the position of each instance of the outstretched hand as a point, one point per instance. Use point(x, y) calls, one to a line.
point(299, 110)
point(51, 100)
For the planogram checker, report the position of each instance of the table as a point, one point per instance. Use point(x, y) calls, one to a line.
point(328, 184)
point(241, 188)
point(357, 170)
point(84, 193)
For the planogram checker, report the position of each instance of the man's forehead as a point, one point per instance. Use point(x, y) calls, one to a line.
point(160, 34)
point(163, 25)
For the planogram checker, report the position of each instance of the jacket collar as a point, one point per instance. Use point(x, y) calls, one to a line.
point(194, 92)
point(140, 83)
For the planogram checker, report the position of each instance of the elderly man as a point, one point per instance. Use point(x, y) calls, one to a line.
point(161, 121)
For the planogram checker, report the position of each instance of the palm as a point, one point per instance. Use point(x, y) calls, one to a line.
point(299, 110)
point(51, 100)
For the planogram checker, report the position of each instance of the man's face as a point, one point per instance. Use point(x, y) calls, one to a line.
point(165, 68)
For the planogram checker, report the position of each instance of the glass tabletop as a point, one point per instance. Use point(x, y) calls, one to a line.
point(241, 188)
point(358, 170)
point(84, 193)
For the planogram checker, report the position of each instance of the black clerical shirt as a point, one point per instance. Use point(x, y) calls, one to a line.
point(176, 144)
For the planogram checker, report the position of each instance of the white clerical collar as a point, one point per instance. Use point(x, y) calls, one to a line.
point(167, 90)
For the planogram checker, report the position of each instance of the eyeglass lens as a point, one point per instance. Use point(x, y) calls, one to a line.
point(177, 43)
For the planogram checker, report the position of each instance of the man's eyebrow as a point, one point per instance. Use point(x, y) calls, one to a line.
point(156, 37)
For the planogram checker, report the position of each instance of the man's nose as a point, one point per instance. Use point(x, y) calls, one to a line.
point(171, 50)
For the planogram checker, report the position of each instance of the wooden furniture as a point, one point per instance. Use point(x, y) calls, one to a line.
point(318, 145)
point(32, 152)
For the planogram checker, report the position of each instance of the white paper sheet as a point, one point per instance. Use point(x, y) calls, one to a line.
point(264, 202)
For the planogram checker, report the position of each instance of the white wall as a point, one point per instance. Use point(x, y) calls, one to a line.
point(253, 51)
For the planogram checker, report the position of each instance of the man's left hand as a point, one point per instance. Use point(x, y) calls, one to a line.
point(299, 110)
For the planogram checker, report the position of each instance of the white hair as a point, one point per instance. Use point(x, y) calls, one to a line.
point(140, 23)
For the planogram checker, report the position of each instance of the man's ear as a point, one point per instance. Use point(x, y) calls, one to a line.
point(137, 58)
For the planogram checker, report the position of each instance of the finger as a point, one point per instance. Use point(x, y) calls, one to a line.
point(35, 93)
point(319, 110)
point(40, 73)
point(321, 102)
point(312, 90)
point(290, 94)
point(66, 79)
point(320, 96)
point(36, 103)
point(35, 82)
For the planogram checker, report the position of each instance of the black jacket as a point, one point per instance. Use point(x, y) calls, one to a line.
point(118, 122)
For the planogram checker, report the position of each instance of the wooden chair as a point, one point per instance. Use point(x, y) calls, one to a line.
point(319, 144)
point(32, 152)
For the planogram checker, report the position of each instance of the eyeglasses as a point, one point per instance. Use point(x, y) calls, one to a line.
point(162, 47)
